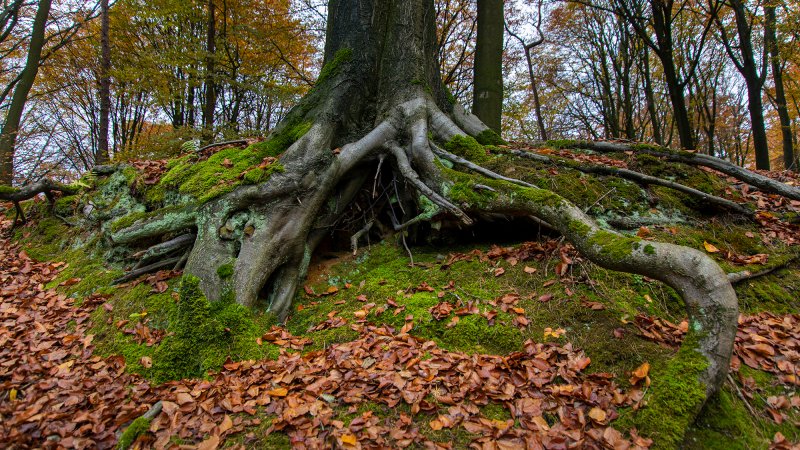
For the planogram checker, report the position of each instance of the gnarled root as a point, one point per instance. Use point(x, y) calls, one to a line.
point(44, 186)
point(762, 182)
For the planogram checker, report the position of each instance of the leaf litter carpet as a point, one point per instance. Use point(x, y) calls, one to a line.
point(56, 393)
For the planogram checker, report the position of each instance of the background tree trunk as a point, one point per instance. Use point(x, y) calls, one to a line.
point(102, 156)
point(770, 37)
point(487, 99)
point(211, 92)
point(8, 136)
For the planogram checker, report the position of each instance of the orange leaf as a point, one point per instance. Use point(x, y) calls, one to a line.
point(597, 414)
point(278, 392)
point(349, 439)
point(710, 248)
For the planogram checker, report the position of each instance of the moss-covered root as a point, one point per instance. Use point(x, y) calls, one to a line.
point(138, 427)
point(698, 159)
point(709, 297)
point(674, 399)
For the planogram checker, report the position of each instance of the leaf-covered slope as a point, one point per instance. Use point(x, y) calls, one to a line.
point(510, 336)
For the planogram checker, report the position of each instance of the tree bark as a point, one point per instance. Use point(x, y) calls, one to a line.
point(745, 63)
point(210, 102)
point(662, 27)
point(102, 156)
point(790, 160)
point(487, 99)
point(8, 136)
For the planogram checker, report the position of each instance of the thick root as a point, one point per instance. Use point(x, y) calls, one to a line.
point(762, 182)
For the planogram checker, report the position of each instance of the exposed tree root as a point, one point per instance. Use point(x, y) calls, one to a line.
point(738, 277)
point(256, 242)
point(154, 267)
point(766, 184)
point(44, 186)
point(709, 199)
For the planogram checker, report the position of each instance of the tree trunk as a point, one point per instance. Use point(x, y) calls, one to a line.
point(537, 104)
point(102, 156)
point(487, 97)
point(663, 31)
point(210, 87)
point(754, 82)
point(8, 136)
point(650, 98)
point(790, 161)
point(380, 98)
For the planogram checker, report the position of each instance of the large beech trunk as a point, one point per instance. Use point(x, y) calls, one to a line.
point(379, 99)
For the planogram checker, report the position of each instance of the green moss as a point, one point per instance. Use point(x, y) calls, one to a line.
point(464, 192)
point(225, 271)
point(204, 335)
point(65, 206)
point(579, 228)
point(613, 245)
point(7, 190)
point(776, 292)
point(674, 398)
point(467, 147)
point(134, 430)
point(489, 137)
point(451, 99)
point(474, 334)
point(225, 170)
point(649, 250)
point(496, 411)
point(333, 66)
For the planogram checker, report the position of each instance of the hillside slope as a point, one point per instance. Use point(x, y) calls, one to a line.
point(498, 336)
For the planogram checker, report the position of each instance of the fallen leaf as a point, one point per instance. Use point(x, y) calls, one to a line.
point(278, 392)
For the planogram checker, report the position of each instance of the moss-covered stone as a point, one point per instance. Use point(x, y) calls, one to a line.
point(228, 168)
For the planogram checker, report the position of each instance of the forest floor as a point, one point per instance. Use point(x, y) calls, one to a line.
point(496, 341)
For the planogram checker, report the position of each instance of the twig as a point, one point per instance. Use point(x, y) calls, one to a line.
point(742, 397)
point(599, 199)
point(220, 144)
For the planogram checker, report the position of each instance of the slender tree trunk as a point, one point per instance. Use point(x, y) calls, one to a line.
point(487, 101)
point(754, 82)
point(102, 156)
point(8, 136)
point(537, 104)
point(210, 88)
point(790, 160)
point(663, 31)
point(650, 99)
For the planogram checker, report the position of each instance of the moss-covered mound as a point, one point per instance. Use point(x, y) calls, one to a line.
point(488, 295)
